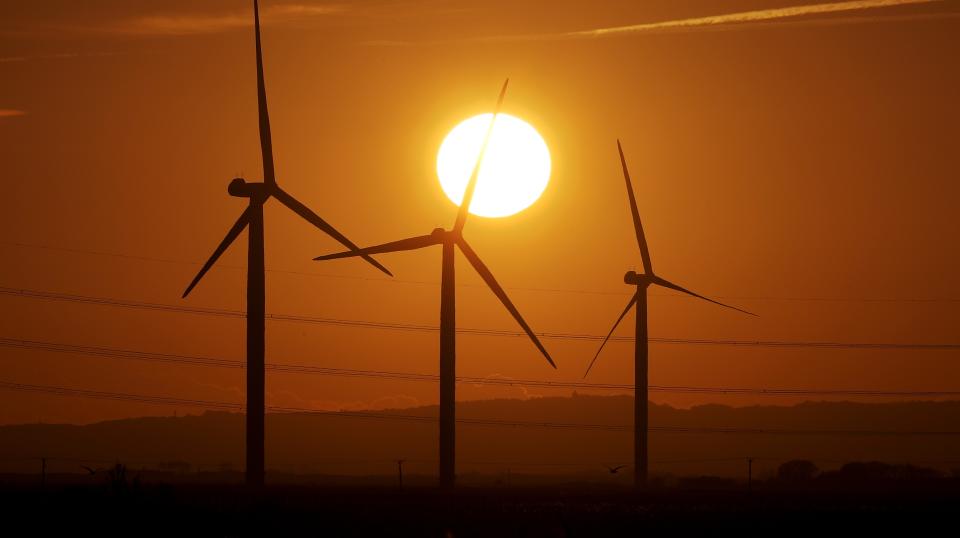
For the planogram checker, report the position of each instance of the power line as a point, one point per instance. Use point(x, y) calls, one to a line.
point(430, 283)
point(231, 406)
point(139, 355)
point(233, 267)
point(45, 295)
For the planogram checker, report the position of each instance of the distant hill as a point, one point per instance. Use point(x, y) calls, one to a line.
point(348, 445)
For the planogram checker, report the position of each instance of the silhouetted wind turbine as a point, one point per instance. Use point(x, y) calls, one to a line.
point(642, 282)
point(450, 239)
point(252, 218)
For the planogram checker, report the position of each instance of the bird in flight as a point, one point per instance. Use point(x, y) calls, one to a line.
point(614, 470)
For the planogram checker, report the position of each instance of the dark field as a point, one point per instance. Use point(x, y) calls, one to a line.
point(566, 510)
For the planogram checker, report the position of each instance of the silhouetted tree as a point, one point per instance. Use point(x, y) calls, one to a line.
point(706, 483)
point(117, 477)
point(178, 467)
point(797, 471)
point(875, 472)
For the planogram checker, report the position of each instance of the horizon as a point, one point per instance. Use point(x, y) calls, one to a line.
point(196, 410)
point(711, 440)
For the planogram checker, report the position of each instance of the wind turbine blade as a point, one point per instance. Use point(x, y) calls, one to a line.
point(667, 284)
point(307, 214)
point(411, 243)
point(502, 295)
point(641, 239)
point(266, 141)
point(633, 301)
point(472, 182)
point(231, 236)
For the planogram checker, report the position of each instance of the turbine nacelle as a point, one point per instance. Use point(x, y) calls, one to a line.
point(636, 279)
point(241, 189)
point(441, 235)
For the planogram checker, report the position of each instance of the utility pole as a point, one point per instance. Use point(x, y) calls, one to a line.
point(400, 473)
point(749, 475)
point(43, 473)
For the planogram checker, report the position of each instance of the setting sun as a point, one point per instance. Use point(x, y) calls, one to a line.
point(514, 172)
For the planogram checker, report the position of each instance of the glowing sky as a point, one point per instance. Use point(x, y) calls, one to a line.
point(805, 172)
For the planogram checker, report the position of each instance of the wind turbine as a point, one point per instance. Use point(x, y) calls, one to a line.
point(257, 195)
point(451, 239)
point(642, 282)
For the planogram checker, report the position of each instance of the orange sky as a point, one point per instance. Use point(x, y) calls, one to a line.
point(803, 168)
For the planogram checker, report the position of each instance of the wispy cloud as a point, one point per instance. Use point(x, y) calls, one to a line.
point(393, 401)
point(220, 390)
point(56, 56)
point(213, 23)
point(10, 112)
point(483, 391)
point(751, 16)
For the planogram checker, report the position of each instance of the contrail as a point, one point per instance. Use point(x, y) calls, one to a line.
point(749, 16)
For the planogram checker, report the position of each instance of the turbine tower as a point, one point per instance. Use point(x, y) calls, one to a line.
point(257, 194)
point(639, 299)
point(451, 239)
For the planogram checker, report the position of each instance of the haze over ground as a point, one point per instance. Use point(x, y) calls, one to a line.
point(706, 440)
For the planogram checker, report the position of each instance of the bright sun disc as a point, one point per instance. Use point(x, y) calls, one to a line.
point(515, 168)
